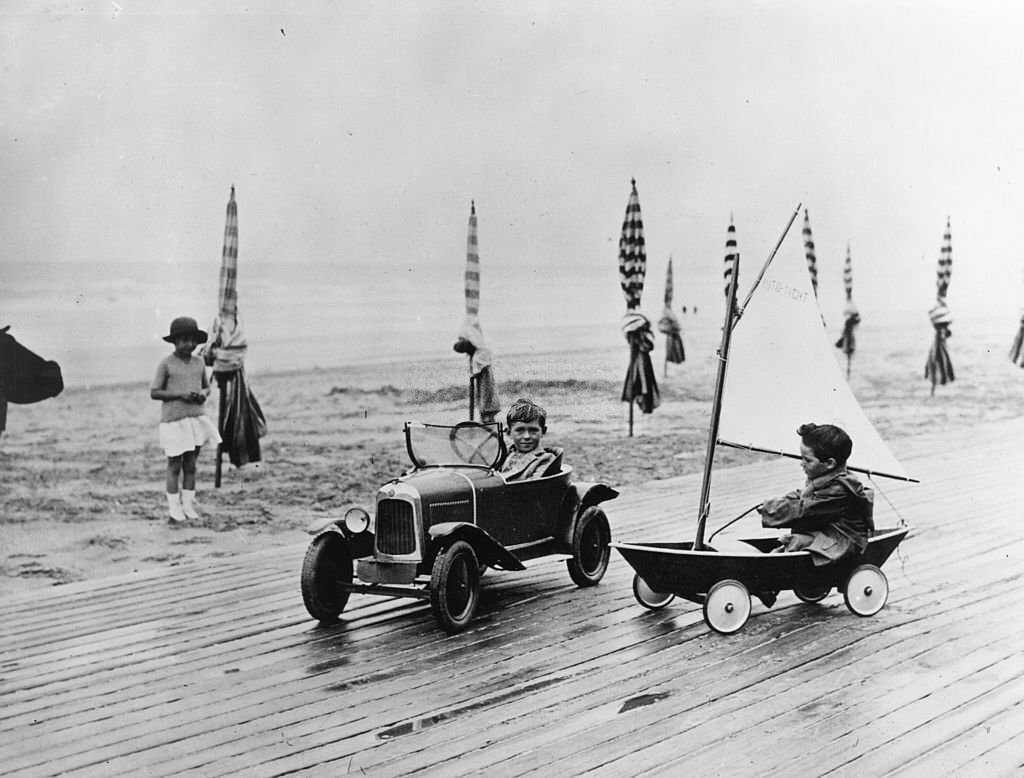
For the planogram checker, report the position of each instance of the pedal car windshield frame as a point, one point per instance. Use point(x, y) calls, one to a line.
point(468, 443)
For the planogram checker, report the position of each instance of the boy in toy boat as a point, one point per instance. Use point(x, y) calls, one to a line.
point(831, 517)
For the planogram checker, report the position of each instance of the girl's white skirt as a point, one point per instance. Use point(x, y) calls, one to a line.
point(187, 434)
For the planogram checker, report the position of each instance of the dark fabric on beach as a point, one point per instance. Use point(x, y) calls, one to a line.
point(847, 342)
point(243, 424)
point(640, 385)
point(25, 377)
point(939, 367)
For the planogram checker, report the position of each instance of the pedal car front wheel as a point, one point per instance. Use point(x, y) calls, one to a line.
point(590, 549)
point(648, 597)
point(866, 590)
point(727, 606)
point(328, 563)
point(455, 587)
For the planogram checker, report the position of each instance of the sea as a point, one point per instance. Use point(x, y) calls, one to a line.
point(103, 322)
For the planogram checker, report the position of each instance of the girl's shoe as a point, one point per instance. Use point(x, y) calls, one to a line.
point(188, 504)
point(175, 513)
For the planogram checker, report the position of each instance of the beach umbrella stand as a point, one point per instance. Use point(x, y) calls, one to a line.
point(669, 325)
point(641, 386)
point(240, 419)
point(939, 367)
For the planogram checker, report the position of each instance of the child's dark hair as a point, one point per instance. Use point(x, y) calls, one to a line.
point(527, 411)
point(827, 442)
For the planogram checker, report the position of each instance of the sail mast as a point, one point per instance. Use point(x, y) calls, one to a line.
point(732, 315)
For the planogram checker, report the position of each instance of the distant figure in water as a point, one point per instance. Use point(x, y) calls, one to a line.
point(181, 385)
point(831, 516)
point(527, 425)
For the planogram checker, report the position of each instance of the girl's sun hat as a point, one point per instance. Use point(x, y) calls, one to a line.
point(185, 325)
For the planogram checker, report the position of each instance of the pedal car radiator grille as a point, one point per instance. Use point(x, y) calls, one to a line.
point(396, 529)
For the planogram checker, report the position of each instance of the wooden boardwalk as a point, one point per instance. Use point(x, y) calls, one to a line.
point(216, 669)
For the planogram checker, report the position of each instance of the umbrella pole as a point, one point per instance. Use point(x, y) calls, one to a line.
point(221, 383)
point(631, 418)
point(472, 388)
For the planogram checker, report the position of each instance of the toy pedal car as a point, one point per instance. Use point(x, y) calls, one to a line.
point(438, 526)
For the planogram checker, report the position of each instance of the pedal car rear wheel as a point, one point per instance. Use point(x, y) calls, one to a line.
point(812, 592)
point(455, 586)
point(648, 597)
point(328, 563)
point(866, 590)
point(590, 549)
point(727, 606)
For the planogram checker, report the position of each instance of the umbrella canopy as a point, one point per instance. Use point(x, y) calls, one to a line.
point(227, 347)
point(25, 377)
point(640, 386)
point(732, 255)
point(240, 418)
point(812, 259)
point(847, 341)
point(939, 367)
point(669, 324)
point(482, 389)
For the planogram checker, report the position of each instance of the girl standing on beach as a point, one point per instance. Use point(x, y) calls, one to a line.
point(182, 386)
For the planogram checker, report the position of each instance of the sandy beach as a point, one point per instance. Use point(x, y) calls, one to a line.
point(82, 483)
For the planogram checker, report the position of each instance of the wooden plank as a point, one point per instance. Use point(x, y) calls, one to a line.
point(215, 669)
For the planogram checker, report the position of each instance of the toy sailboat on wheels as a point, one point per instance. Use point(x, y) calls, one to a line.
point(776, 371)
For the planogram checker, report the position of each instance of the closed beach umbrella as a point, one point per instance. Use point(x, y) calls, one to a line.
point(482, 390)
point(669, 324)
point(939, 367)
point(732, 254)
point(851, 316)
point(640, 386)
point(240, 417)
point(812, 259)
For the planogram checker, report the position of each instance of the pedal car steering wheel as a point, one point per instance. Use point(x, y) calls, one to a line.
point(470, 440)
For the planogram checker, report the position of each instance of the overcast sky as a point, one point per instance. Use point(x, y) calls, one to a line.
point(359, 132)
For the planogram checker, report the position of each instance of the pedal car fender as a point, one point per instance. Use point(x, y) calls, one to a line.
point(361, 544)
point(488, 551)
point(578, 498)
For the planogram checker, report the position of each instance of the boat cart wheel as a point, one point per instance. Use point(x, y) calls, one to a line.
point(648, 597)
point(866, 590)
point(727, 606)
point(812, 592)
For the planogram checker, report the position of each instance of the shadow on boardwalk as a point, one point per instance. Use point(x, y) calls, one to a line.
point(216, 669)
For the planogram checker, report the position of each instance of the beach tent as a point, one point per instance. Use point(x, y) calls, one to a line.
point(939, 367)
point(847, 342)
point(640, 387)
point(240, 418)
point(669, 325)
point(25, 377)
point(483, 392)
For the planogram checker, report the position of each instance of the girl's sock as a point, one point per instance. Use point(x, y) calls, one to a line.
point(174, 510)
point(188, 503)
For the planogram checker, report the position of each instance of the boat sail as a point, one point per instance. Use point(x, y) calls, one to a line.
point(783, 372)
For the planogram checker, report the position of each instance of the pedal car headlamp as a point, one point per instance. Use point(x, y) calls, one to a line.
point(356, 520)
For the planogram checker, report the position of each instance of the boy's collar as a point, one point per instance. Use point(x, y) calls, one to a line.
point(824, 478)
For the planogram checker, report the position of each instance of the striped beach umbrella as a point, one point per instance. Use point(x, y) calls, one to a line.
point(812, 259)
point(240, 418)
point(851, 316)
point(732, 254)
point(483, 392)
point(640, 387)
point(669, 324)
point(939, 367)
